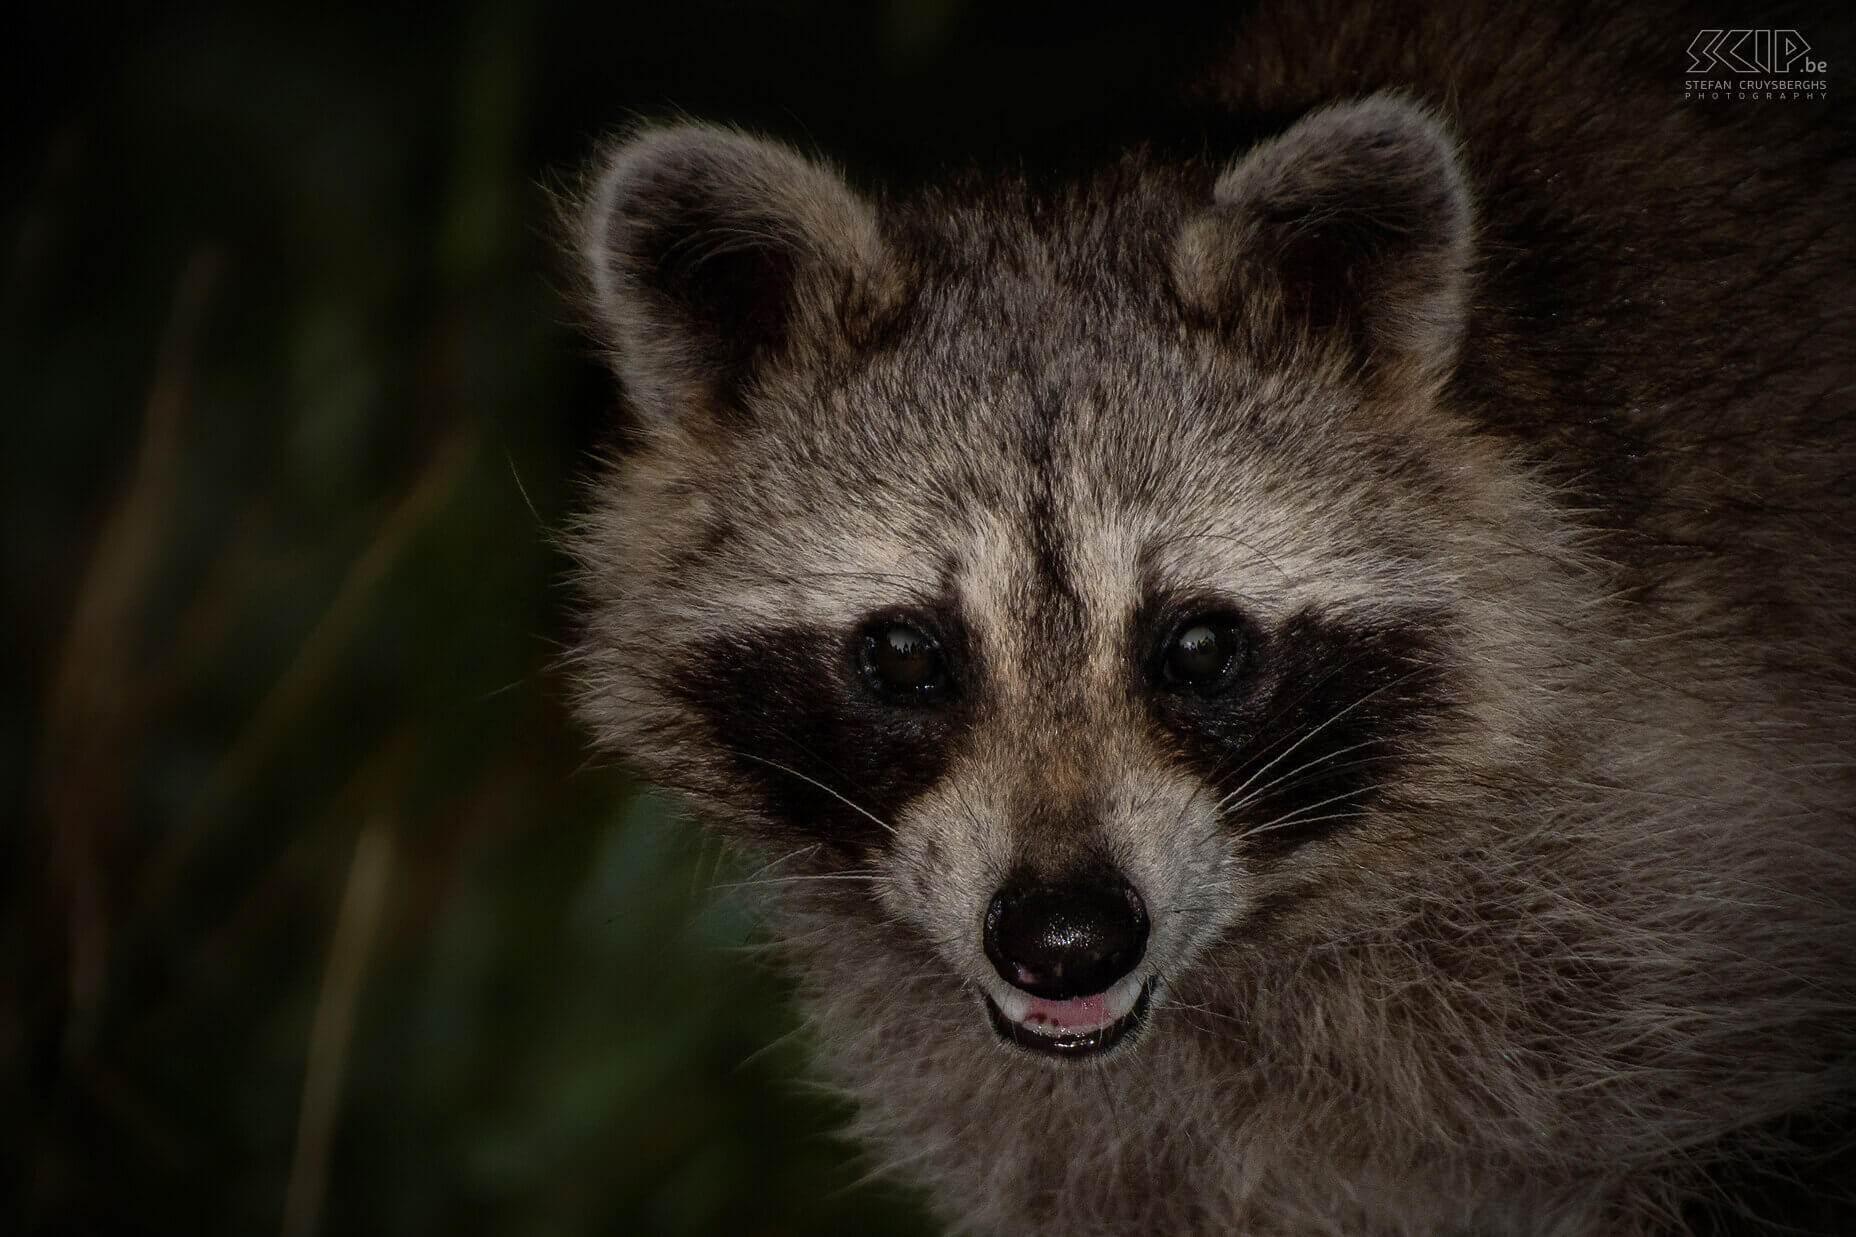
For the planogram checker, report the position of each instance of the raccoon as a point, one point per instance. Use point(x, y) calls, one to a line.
point(1303, 687)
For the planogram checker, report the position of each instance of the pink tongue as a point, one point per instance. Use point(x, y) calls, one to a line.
point(1082, 1011)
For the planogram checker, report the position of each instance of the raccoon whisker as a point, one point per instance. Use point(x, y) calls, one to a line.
point(960, 790)
point(711, 853)
point(1323, 726)
point(1250, 792)
point(800, 747)
point(790, 771)
point(1300, 770)
point(772, 1045)
point(773, 946)
point(1193, 908)
point(1300, 815)
point(1199, 1007)
point(1306, 776)
point(788, 857)
point(1288, 822)
point(800, 878)
point(1316, 782)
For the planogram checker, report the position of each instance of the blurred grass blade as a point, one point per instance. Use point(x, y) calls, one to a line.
point(369, 878)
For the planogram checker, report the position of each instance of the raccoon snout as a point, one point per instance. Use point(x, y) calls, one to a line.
point(1060, 941)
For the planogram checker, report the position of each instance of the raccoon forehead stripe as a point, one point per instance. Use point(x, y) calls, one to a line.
point(1048, 549)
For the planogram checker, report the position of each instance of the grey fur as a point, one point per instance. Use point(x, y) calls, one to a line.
point(1518, 359)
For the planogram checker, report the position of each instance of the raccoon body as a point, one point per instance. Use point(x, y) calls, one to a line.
point(1305, 690)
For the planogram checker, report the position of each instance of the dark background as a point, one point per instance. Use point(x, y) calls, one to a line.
point(318, 913)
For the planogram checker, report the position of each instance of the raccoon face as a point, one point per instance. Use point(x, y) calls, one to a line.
point(1094, 591)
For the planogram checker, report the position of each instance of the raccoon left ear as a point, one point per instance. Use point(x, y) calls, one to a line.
point(1351, 231)
point(713, 256)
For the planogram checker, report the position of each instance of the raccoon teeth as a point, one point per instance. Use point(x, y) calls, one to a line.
point(1077, 1015)
point(1013, 1004)
point(1073, 1027)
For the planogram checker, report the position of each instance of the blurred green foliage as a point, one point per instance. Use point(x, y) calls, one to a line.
point(319, 914)
point(320, 917)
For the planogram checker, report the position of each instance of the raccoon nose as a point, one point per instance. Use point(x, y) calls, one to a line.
point(1068, 940)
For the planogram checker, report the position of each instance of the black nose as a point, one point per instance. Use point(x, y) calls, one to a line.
point(1066, 940)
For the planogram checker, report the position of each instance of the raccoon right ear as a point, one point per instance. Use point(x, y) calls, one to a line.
point(1351, 233)
point(712, 256)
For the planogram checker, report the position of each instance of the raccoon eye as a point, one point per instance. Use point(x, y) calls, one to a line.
point(903, 661)
point(1204, 656)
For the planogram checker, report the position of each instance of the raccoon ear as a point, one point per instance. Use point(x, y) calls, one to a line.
point(1351, 231)
point(712, 255)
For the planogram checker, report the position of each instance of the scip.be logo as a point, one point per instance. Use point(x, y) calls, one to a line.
point(1752, 51)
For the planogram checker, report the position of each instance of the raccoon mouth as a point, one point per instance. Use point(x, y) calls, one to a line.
point(1079, 1027)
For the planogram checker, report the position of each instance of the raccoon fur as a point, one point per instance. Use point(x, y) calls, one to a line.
point(1300, 689)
